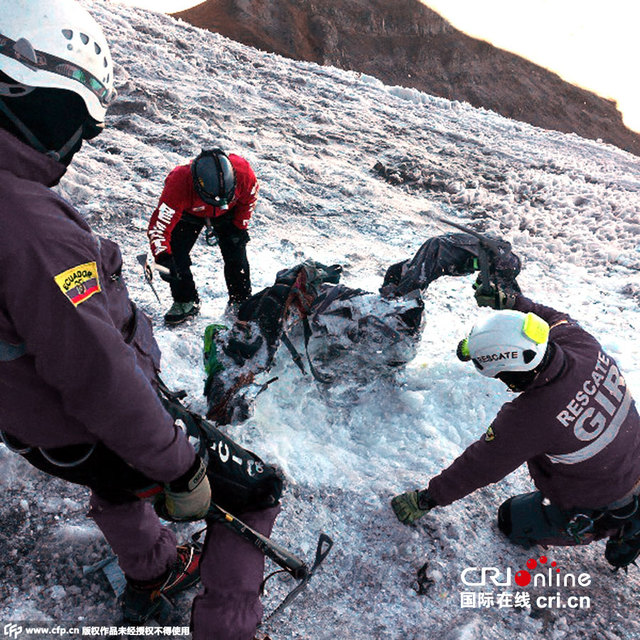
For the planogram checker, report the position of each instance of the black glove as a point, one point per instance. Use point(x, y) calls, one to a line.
point(225, 229)
point(168, 270)
point(495, 297)
point(412, 505)
point(240, 351)
point(223, 225)
point(236, 237)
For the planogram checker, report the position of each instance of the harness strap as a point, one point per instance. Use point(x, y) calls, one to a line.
point(10, 351)
point(307, 335)
point(303, 306)
point(329, 297)
point(170, 395)
point(297, 358)
point(69, 464)
point(559, 323)
point(382, 327)
point(17, 446)
point(619, 512)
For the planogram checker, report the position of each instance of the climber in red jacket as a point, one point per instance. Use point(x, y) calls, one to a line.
point(215, 190)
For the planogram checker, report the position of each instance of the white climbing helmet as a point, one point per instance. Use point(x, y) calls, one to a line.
point(56, 44)
point(506, 341)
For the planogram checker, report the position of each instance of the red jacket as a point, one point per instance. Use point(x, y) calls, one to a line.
point(179, 196)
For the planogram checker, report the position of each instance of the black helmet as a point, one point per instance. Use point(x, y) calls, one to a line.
point(214, 178)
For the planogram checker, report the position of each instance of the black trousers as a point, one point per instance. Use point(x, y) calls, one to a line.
point(233, 246)
point(528, 520)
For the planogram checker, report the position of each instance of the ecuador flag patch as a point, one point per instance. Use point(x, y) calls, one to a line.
point(79, 283)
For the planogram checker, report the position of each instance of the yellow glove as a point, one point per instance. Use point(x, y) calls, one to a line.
point(495, 298)
point(188, 497)
point(412, 505)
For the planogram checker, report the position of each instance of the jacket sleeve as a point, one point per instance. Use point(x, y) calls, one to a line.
point(508, 443)
point(247, 197)
point(168, 212)
point(546, 313)
point(78, 352)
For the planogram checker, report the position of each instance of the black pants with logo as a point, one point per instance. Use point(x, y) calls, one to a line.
point(233, 246)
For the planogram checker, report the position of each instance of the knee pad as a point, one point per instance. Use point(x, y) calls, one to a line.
point(527, 520)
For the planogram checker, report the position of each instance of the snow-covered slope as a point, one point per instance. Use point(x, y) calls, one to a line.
point(350, 172)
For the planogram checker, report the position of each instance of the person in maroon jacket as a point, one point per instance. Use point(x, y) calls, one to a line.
point(77, 359)
point(574, 423)
point(216, 190)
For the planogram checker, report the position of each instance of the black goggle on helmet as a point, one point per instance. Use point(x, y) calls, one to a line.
point(214, 178)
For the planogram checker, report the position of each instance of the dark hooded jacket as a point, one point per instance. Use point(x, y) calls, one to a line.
point(576, 427)
point(76, 358)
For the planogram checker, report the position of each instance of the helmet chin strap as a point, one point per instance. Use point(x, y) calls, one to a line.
point(521, 380)
point(61, 153)
point(35, 142)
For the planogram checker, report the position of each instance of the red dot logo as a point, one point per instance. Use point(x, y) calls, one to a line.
point(523, 578)
point(543, 559)
point(531, 564)
point(553, 564)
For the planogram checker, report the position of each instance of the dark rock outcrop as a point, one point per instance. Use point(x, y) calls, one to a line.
point(406, 43)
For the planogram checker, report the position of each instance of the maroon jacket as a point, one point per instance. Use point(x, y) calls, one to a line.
point(75, 357)
point(576, 427)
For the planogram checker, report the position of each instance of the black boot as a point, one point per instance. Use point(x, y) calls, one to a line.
point(620, 552)
point(181, 311)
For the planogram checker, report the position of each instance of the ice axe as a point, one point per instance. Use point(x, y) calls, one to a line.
point(147, 269)
point(280, 555)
